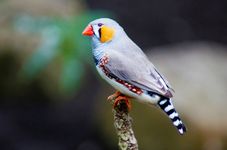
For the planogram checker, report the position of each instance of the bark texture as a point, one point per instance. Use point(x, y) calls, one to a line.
point(123, 125)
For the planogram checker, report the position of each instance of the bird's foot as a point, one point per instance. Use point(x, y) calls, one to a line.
point(125, 99)
point(114, 96)
point(117, 97)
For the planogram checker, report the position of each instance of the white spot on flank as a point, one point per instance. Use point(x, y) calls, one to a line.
point(168, 108)
point(138, 92)
point(163, 102)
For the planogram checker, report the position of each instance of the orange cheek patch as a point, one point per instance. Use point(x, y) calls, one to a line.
point(107, 34)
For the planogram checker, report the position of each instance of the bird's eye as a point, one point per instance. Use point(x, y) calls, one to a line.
point(100, 24)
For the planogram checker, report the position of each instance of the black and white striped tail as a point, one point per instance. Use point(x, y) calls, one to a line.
point(167, 106)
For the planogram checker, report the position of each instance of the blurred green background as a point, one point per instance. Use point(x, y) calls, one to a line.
point(51, 97)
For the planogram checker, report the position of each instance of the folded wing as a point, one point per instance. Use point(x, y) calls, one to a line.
point(138, 71)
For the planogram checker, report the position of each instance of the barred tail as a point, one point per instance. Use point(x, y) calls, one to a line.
point(167, 106)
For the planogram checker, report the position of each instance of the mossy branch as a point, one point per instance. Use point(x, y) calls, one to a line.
point(123, 125)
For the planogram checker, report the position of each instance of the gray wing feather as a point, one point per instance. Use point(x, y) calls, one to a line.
point(138, 71)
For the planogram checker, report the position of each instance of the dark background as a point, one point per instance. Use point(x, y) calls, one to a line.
point(160, 22)
point(38, 111)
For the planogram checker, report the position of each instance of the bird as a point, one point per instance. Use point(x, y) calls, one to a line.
point(125, 66)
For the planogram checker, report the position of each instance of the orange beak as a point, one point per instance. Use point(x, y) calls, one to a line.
point(88, 31)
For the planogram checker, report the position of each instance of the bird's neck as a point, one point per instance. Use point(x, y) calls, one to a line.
point(97, 50)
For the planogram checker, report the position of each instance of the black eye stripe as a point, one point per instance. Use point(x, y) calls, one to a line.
point(99, 32)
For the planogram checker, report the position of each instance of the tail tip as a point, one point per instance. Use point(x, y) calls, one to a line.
point(182, 130)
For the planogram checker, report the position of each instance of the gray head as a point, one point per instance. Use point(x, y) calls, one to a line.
point(103, 30)
point(105, 21)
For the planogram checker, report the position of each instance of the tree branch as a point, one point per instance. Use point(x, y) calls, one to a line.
point(123, 125)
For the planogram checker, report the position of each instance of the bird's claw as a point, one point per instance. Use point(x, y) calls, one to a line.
point(122, 98)
point(113, 96)
point(117, 97)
